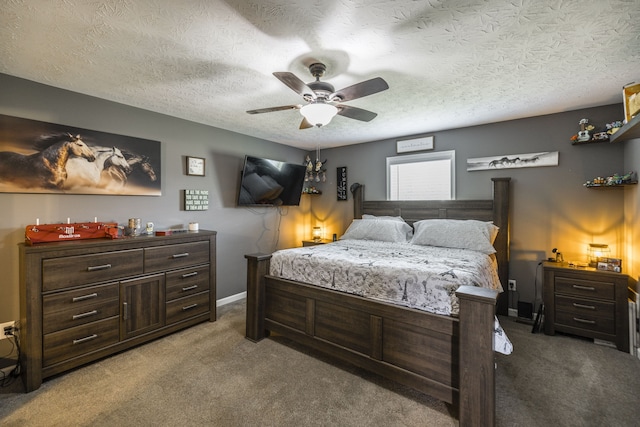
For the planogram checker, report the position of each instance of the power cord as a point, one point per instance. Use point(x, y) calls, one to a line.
point(7, 379)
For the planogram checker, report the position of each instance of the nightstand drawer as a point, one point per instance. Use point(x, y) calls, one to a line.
point(583, 307)
point(585, 321)
point(585, 288)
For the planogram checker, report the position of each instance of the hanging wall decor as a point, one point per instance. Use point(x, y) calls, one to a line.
point(342, 183)
point(196, 200)
point(547, 158)
point(40, 157)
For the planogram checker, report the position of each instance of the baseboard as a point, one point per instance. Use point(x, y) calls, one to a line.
point(513, 312)
point(230, 299)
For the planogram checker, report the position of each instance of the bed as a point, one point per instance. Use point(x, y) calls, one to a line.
point(449, 357)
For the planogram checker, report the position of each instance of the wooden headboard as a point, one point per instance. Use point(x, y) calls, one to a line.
point(496, 210)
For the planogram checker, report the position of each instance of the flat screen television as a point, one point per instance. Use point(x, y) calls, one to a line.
point(266, 182)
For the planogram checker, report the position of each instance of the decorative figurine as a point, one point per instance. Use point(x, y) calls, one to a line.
point(585, 128)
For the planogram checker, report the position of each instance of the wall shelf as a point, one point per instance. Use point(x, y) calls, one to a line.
point(631, 130)
point(611, 186)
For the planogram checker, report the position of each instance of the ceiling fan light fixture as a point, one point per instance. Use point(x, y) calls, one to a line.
point(319, 113)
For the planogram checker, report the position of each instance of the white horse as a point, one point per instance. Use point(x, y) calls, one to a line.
point(81, 173)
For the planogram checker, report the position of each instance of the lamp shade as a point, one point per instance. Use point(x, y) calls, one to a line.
point(318, 113)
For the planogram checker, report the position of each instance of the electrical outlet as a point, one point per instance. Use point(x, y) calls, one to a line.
point(6, 329)
point(512, 285)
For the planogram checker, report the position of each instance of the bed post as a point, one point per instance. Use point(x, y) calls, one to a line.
point(358, 197)
point(477, 386)
point(257, 269)
point(501, 219)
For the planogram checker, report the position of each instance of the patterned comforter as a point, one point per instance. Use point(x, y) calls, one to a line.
point(421, 277)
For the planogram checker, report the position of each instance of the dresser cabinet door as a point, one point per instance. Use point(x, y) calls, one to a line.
point(142, 305)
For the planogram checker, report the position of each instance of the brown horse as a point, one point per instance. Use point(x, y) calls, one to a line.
point(47, 167)
point(119, 175)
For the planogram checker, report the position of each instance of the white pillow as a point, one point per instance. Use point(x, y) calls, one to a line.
point(452, 233)
point(378, 229)
point(391, 218)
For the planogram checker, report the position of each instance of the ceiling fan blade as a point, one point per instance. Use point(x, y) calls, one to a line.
point(270, 109)
point(359, 90)
point(305, 124)
point(295, 83)
point(356, 113)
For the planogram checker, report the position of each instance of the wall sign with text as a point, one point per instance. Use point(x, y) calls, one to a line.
point(342, 183)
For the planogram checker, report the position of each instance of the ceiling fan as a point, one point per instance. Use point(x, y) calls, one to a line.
point(323, 102)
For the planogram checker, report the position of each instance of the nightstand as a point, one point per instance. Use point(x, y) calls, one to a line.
point(315, 242)
point(586, 302)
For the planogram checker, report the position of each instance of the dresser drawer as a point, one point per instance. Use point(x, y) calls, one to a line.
point(585, 288)
point(73, 342)
point(66, 272)
point(188, 281)
point(184, 308)
point(73, 308)
point(168, 257)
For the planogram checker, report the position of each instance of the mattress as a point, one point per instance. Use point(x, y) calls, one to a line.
point(421, 277)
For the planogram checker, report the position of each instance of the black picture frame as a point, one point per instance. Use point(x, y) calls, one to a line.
point(195, 166)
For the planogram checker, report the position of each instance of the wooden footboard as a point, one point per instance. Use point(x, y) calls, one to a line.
point(448, 358)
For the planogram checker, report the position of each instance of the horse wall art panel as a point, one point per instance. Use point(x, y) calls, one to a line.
point(510, 161)
point(40, 157)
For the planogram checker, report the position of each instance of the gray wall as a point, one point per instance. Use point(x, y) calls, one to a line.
point(550, 206)
point(240, 230)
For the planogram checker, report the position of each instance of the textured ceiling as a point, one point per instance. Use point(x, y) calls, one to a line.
point(449, 63)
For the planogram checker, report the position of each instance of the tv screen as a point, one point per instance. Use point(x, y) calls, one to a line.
point(267, 182)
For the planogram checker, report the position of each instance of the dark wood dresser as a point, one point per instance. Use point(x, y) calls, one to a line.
point(586, 302)
point(84, 300)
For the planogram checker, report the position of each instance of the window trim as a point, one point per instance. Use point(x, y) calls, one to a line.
point(424, 157)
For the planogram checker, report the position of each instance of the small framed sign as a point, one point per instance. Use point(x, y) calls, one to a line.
point(416, 144)
point(342, 183)
point(195, 166)
point(196, 200)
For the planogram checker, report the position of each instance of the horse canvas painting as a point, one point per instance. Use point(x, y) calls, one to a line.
point(530, 160)
point(40, 157)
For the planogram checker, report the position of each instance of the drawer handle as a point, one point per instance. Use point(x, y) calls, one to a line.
point(184, 276)
point(83, 315)
point(85, 339)
point(590, 322)
point(85, 297)
point(125, 311)
point(584, 288)
point(189, 307)
point(189, 288)
point(182, 255)
point(98, 267)
point(590, 307)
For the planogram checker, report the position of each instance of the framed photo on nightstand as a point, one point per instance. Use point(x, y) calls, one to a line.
point(195, 166)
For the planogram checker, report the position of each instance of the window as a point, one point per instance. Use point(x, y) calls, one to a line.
point(428, 176)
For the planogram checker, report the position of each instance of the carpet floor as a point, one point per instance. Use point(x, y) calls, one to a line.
point(211, 375)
